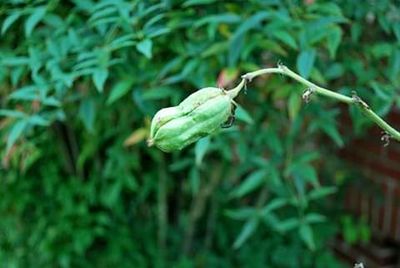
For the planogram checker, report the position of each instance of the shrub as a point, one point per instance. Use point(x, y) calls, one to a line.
point(80, 81)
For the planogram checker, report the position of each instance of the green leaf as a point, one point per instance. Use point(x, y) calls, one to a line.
point(215, 49)
point(9, 21)
point(15, 133)
point(200, 149)
point(306, 234)
point(333, 40)
point(241, 213)
point(119, 90)
point(112, 193)
point(396, 30)
point(227, 18)
point(145, 47)
point(286, 38)
point(15, 61)
point(243, 115)
point(253, 181)
point(305, 62)
point(394, 65)
point(248, 229)
point(314, 218)
point(158, 93)
point(236, 41)
point(288, 225)
point(194, 178)
point(274, 204)
point(123, 41)
point(12, 113)
point(87, 113)
point(197, 2)
point(37, 120)
point(321, 192)
point(99, 77)
point(26, 93)
point(34, 19)
point(308, 173)
point(333, 133)
point(294, 105)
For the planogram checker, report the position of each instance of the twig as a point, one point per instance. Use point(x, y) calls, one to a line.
point(354, 100)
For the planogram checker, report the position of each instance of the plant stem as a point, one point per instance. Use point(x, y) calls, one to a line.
point(354, 100)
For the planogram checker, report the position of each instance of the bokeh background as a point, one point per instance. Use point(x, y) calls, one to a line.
point(289, 185)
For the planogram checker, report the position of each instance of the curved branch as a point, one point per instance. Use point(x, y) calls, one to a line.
point(354, 100)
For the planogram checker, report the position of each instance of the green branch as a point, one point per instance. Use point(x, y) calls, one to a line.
point(313, 88)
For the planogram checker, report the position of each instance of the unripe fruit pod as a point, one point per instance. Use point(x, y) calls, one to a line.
point(162, 117)
point(200, 114)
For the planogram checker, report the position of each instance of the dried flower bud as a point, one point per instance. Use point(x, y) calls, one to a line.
point(200, 114)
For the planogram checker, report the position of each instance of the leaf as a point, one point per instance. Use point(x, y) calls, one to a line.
point(112, 193)
point(194, 178)
point(306, 234)
point(226, 18)
point(215, 49)
point(145, 47)
point(285, 38)
point(305, 62)
point(99, 77)
point(333, 133)
point(25, 93)
point(396, 30)
point(123, 41)
point(34, 19)
point(200, 149)
point(334, 71)
point(12, 113)
point(15, 61)
point(119, 90)
point(308, 173)
point(197, 2)
point(288, 225)
point(253, 181)
point(136, 136)
point(294, 105)
point(243, 115)
point(158, 93)
point(394, 64)
point(241, 213)
point(37, 120)
point(321, 192)
point(87, 113)
point(333, 39)
point(314, 218)
point(9, 21)
point(247, 230)
point(15, 133)
point(274, 204)
point(236, 41)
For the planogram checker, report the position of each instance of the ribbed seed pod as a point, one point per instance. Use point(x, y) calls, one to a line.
point(162, 117)
point(200, 114)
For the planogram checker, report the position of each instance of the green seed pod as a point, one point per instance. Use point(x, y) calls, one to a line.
point(200, 114)
point(199, 97)
point(162, 117)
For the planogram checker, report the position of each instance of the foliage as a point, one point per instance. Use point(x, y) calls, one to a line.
point(81, 79)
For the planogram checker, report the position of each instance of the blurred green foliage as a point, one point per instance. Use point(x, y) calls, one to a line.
point(80, 80)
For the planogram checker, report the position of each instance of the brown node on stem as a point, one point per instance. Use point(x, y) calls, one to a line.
point(307, 94)
point(385, 138)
